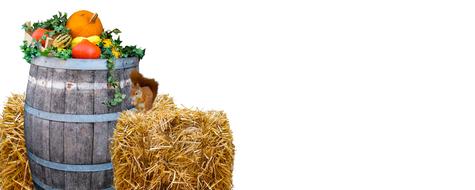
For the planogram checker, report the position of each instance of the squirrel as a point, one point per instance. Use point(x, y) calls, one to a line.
point(143, 91)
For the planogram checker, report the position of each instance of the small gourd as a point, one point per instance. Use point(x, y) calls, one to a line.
point(62, 41)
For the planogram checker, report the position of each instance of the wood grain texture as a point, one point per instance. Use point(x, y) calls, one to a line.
point(29, 122)
point(45, 153)
point(100, 148)
point(39, 136)
point(30, 89)
point(70, 130)
point(57, 130)
point(78, 136)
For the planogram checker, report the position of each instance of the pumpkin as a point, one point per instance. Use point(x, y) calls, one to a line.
point(86, 50)
point(38, 35)
point(93, 39)
point(62, 41)
point(84, 23)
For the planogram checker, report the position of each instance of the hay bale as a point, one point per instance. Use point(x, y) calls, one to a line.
point(14, 168)
point(172, 148)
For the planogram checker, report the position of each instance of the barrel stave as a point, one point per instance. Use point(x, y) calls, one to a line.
point(57, 129)
point(40, 128)
point(101, 134)
point(78, 136)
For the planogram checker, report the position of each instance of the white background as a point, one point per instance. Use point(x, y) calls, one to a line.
point(320, 94)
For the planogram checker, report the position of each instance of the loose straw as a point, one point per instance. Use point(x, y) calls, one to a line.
point(14, 168)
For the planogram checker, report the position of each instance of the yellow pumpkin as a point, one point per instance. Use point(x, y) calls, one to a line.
point(92, 39)
point(84, 23)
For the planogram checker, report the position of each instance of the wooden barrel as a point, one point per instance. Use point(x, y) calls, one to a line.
point(67, 126)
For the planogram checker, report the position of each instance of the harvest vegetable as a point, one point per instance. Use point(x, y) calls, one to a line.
point(93, 39)
point(62, 41)
point(86, 50)
point(38, 35)
point(84, 23)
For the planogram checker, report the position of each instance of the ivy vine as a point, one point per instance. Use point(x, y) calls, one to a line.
point(111, 50)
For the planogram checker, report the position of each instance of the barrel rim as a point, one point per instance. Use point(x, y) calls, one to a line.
point(84, 64)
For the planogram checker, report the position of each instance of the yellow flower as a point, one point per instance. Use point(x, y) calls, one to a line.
point(115, 52)
point(107, 43)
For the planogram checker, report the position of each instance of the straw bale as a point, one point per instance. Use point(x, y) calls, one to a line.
point(172, 148)
point(14, 168)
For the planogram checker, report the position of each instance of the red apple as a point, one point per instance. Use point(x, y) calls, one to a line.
point(38, 34)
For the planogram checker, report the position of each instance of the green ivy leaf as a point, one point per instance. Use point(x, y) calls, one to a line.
point(57, 24)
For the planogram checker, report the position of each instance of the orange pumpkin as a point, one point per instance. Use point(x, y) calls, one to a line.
point(84, 23)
